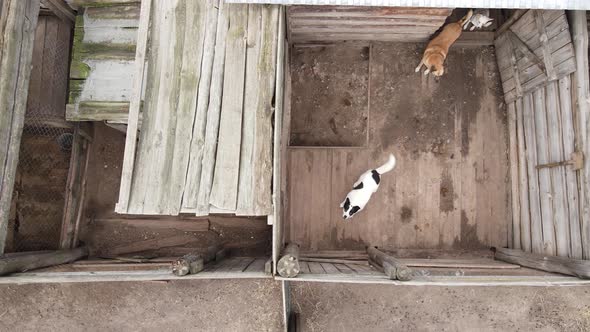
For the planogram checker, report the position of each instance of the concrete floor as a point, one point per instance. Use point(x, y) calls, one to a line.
point(255, 305)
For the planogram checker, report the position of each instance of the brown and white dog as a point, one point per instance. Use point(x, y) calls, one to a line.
point(437, 49)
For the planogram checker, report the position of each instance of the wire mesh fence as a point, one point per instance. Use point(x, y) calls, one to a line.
point(39, 192)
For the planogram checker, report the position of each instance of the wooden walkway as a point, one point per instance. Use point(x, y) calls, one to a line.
point(200, 112)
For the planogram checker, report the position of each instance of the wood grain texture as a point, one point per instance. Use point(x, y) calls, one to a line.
point(545, 186)
point(224, 190)
point(17, 31)
point(523, 177)
point(514, 238)
point(440, 195)
point(574, 267)
point(337, 23)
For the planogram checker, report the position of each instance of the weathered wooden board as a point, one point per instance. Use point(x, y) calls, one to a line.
point(224, 190)
point(254, 187)
point(542, 48)
point(18, 22)
point(337, 23)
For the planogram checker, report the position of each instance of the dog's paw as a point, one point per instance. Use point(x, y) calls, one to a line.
point(426, 71)
point(417, 69)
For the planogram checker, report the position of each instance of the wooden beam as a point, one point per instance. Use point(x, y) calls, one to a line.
point(514, 238)
point(547, 57)
point(32, 261)
point(394, 268)
point(60, 9)
point(185, 225)
point(518, 44)
point(574, 267)
point(515, 17)
point(579, 26)
point(18, 21)
point(134, 108)
point(288, 265)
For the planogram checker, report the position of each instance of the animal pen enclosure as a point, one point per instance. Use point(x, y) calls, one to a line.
point(227, 135)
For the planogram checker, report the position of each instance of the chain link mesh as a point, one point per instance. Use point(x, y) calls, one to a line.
point(39, 192)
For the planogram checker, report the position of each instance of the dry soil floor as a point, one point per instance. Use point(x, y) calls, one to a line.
point(255, 305)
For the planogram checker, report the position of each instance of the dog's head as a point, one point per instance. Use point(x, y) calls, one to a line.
point(348, 210)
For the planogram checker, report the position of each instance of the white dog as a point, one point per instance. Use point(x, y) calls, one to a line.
point(364, 187)
point(480, 19)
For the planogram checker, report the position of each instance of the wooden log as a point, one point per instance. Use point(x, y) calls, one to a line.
point(32, 261)
point(394, 268)
point(151, 244)
point(579, 26)
point(288, 265)
point(224, 190)
point(213, 113)
point(189, 263)
point(18, 21)
point(574, 267)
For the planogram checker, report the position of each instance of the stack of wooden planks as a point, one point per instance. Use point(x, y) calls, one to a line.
point(536, 59)
point(336, 23)
point(205, 141)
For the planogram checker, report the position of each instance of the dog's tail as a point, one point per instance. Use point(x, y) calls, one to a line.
point(388, 166)
point(466, 18)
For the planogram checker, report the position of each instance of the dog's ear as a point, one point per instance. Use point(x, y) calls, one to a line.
point(354, 210)
point(359, 186)
point(346, 204)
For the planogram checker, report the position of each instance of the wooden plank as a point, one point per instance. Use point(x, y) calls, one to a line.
point(191, 190)
point(280, 139)
point(193, 46)
point(151, 244)
point(201, 225)
point(316, 268)
point(514, 69)
point(61, 9)
point(330, 268)
point(254, 188)
point(533, 177)
point(122, 205)
point(540, 21)
point(32, 261)
point(514, 166)
point(575, 267)
point(344, 269)
point(545, 188)
point(525, 50)
point(256, 266)
point(17, 31)
point(558, 185)
point(579, 26)
point(117, 112)
point(458, 263)
point(35, 84)
point(571, 181)
point(73, 192)
point(213, 112)
point(353, 11)
point(523, 178)
point(224, 190)
point(516, 15)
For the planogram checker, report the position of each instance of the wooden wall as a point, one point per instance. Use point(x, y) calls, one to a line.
point(539, 91)
point(333, 23)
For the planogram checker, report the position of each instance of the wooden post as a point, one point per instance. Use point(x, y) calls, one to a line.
point(393, 268)
point(288, 265)
point(579, 27)
point(18, 21)
point(574, 267)
point(36, 260)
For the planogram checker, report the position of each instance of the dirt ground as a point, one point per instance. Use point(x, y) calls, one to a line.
point(104, 177)
point(255, 305)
